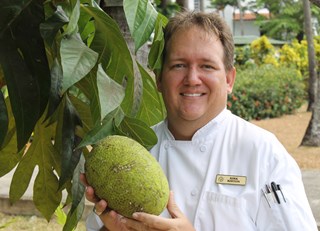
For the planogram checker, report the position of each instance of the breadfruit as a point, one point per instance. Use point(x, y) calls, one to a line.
point(127, 176)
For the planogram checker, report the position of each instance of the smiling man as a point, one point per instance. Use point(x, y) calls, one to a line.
point(195, 80)
point(225, 173)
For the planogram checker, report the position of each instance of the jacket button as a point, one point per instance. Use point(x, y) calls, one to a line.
point(203, 148)
point(194, 192)
point(166, 146)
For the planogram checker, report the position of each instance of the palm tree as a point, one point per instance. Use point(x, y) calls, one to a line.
point(312, 135)
point(311, 53)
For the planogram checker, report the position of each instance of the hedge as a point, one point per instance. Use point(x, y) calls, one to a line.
point(266, 92)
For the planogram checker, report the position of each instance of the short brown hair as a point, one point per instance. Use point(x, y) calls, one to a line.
point(209, 22)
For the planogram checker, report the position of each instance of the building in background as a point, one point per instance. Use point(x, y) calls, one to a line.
point(244, 29)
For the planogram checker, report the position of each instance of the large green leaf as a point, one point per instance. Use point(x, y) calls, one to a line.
point(114, 56)
point(4, 120)
point(9, 153)
point(88, 85)
point(104, 129)
point(152, 109)
point(46, 195)
point(70, 157)
point(157, 46)
point(77, 60)
point(141, 17)
point(78, 204)
point(72, 27)
point(111, 93)
point(55, 89)
point(42, 153)
point(83, 110)
point(137, 90)
point(86, 27)
point(22, 176)
point(53, 24)
point(138, 130)
point(25, 67)
point(9, 156)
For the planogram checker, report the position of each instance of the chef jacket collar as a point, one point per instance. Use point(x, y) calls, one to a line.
point(202, 132)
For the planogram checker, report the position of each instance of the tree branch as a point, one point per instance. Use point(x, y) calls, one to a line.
point(316, 2)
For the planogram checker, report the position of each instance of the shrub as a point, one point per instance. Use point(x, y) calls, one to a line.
point(242, 55)
point(266, 91)
point(263, 52)
point(295, 54)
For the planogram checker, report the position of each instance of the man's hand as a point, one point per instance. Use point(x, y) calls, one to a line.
point(110, 219)
point(144, 221)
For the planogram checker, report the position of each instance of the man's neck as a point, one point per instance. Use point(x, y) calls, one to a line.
point(185, 129)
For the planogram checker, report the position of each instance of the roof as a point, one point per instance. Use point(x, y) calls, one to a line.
point(247, 39)
point(249, 16)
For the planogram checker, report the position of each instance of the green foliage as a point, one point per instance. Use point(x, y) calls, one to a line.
point(221, 4)
point(242, 55)
point(295, 54)
point(168, 9)
point(261, 51)
point(266, 91)
point(71, 81)
point(285, 20)
point(60, 215)
point(144, 18)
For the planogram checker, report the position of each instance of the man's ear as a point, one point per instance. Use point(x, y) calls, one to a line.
point(231, 77)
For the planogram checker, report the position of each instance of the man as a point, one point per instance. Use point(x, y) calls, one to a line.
point(226, 173)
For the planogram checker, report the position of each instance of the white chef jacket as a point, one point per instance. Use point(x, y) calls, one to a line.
point(229, 145)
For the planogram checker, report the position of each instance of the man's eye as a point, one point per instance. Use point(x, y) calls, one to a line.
point(207, 67)
point(178, 65)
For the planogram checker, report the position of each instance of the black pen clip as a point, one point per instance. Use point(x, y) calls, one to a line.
point(274, 189)
point(279, 188)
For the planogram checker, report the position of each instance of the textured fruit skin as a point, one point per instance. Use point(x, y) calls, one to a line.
point(127, 176)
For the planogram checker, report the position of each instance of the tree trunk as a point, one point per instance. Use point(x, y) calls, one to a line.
point(311, 54)
point(241, 14)
point(114, 8)
point(202, 5)
point(183, 4)
point(312, 135)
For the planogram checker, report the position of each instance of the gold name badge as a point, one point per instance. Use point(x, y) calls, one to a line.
point(231, 179)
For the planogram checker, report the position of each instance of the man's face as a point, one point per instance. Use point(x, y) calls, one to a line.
point(194, 82)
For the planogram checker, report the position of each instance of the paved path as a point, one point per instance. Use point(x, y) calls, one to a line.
point(311, 180)
point(312, 186)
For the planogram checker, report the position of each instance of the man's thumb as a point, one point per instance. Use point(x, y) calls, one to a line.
point(173, 208)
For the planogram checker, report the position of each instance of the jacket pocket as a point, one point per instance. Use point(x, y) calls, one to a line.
point(228, 213)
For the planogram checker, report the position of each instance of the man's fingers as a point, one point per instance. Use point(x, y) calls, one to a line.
point(90, 195)
point(144, 221)
point(100, 207)
point(83, 179)
point(136, 225)
point(112, 221)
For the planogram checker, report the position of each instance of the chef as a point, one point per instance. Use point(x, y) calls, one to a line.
point(224, 173)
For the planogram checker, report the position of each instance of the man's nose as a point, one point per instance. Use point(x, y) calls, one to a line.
point(192, 77)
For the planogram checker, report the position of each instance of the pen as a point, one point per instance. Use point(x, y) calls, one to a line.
point(268, 191)
point(265, 195)
point(268, 188)
point(274, 189)
point(278, 186)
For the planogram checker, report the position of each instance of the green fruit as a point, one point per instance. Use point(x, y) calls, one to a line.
point(127, 176)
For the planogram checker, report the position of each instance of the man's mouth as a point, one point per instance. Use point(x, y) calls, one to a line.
point(192, 94)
